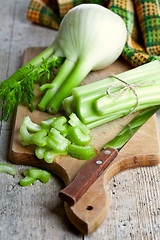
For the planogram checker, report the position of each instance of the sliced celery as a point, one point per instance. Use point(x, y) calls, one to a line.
point(26, 181)
point(56, 141)
point(54, 136)
point(28, 126)
point(39, 174)
point(81, 152)
point(75, 135)
point(40, 151)
point(47, 154)
point(59, 125)
point(7, 168)
point(75, 121)
point(47, 123)
point(39, 138)
point(50, 154)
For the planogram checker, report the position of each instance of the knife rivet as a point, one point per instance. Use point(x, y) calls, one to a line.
point(107, 152)
point(99, 162)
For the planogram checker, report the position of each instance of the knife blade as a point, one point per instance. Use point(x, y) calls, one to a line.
point(96, 166)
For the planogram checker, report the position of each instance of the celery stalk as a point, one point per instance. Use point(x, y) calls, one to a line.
point(94, 106)
point(131, 76)
point(148, 96)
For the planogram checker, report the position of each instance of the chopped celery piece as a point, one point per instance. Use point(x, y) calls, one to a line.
point(75, 121)
point(59, 124)
point(7, 168)
point(75, 135)
point(41, 175)
point(81, 152)
point(39, 138)
point(26, 126)
point(49, 155)
point(26, 172)
point(56, 135)
point(56, 146)
point(32, 175)
point(47, 123)
point(26, 181)
point(40, 151)
point(25, 135)
point(32, 127)
point(56, 141)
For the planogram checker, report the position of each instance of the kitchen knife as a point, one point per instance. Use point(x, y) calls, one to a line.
point(96, 166)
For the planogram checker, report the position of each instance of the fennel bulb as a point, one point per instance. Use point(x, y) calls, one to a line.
point(92, 34)
point(90, 37)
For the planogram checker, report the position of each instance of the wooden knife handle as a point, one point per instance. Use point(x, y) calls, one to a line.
point(87, 175)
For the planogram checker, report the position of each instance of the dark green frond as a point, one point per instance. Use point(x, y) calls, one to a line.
point(13, 91)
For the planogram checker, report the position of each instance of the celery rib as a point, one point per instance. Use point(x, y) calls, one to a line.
point(95, 107)
point(148, 95)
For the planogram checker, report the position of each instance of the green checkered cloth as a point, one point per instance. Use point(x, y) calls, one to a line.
point(142, 19)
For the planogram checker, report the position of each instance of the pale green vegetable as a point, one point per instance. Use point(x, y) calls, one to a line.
point(53, 137)
point(28, 126)
point(94, 106)
point(7, 168)
point(90, 37)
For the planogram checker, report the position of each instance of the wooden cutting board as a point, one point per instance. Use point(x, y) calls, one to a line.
point(142, 150)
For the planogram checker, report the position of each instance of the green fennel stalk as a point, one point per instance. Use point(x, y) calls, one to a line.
point(64, 72)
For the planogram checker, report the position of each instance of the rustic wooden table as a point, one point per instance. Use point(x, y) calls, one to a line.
point(36, 212)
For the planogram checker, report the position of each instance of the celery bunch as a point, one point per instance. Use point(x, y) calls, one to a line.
point(94, 106)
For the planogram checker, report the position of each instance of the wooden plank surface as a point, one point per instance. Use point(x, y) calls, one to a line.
point(36, 212)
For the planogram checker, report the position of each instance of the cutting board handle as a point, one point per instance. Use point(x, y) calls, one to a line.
point(89, 212)
point(87, 176)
